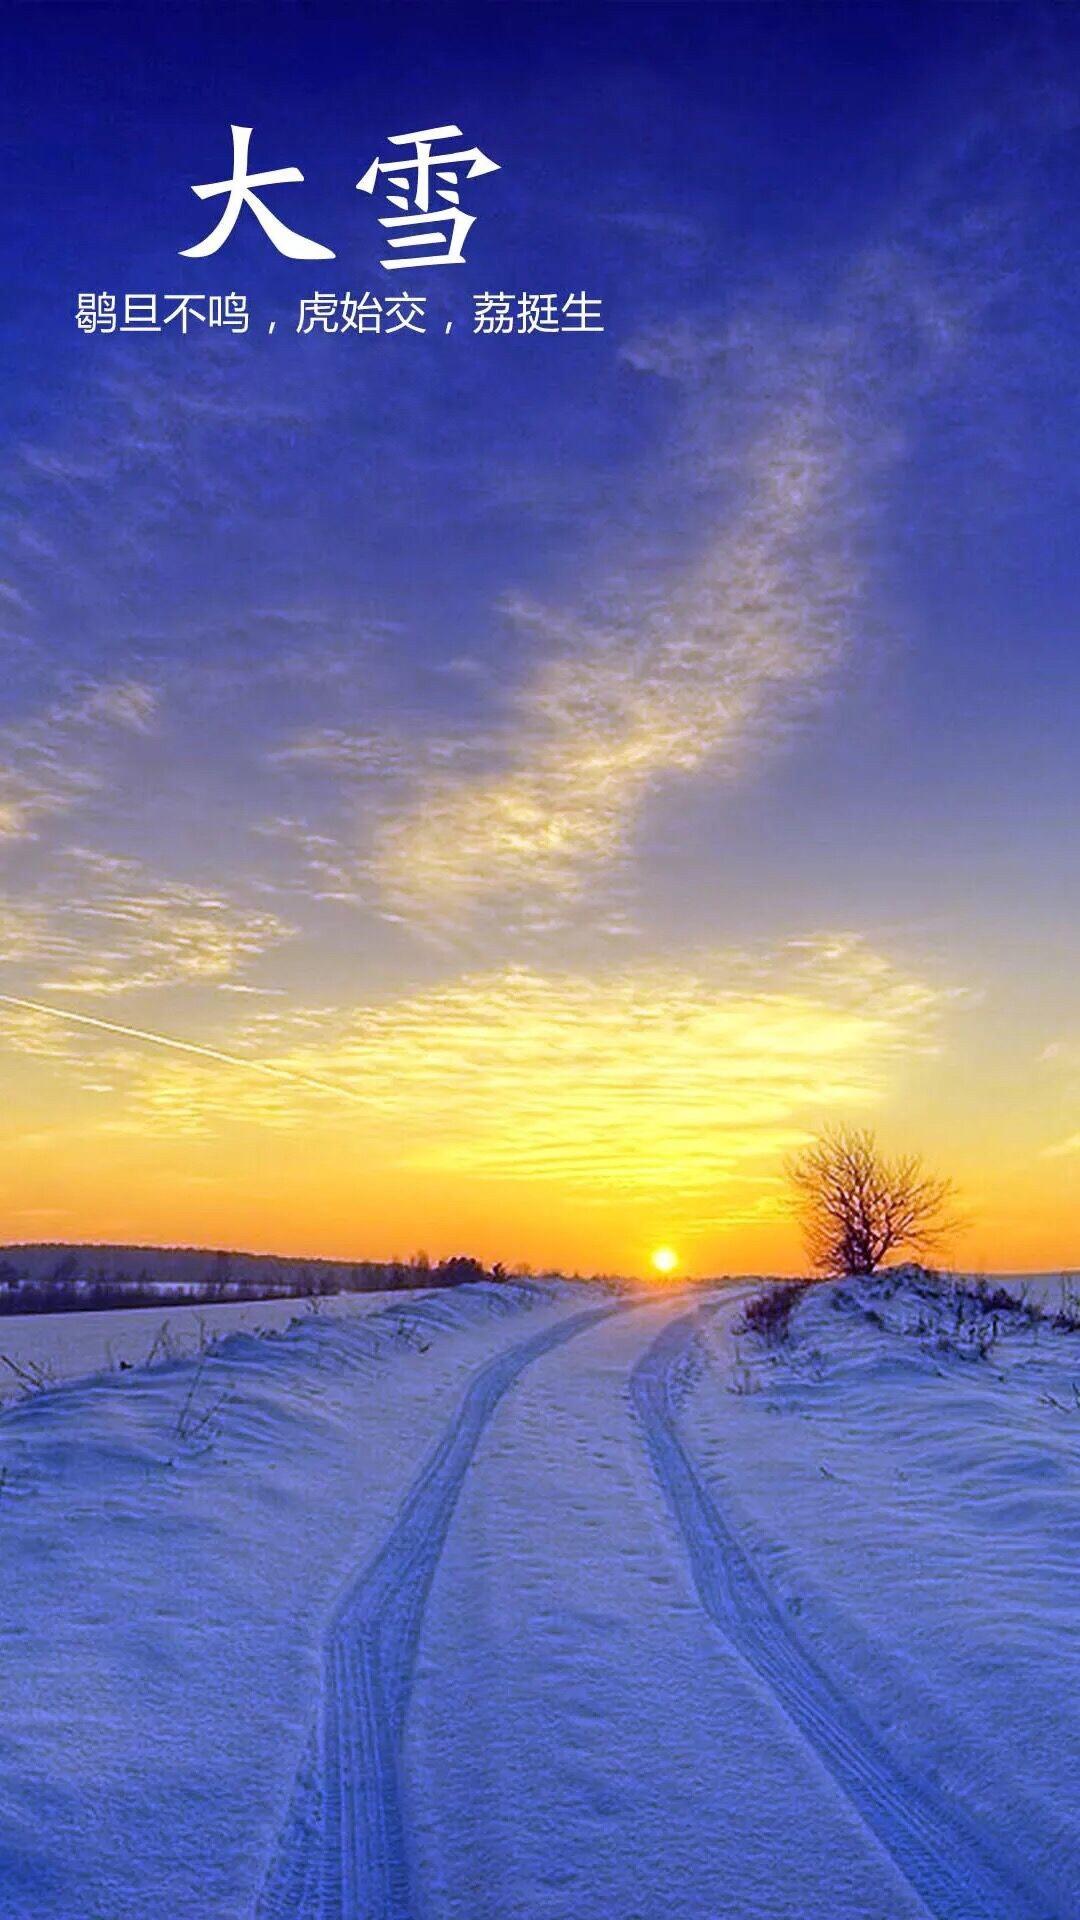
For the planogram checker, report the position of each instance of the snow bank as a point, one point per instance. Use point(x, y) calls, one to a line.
point(914, 1506)
point(44, 1349)
point(173, 1542)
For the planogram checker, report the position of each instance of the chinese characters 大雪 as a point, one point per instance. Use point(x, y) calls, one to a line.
point(423, 234)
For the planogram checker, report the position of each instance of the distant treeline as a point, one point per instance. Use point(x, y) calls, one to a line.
point(71, 1285)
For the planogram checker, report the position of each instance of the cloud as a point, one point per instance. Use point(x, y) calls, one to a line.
point(104, 925)
point(668, 1080)
point(59, 1026)
point(704, 670)
point(117, 703)
point(353, 754)
point(697, 678)
point(28, 795)
point(33, 1031)
point(1062, 1148)
point(1063, 1057)
point(22, 930)
point(326, 868)
point(57, 757)
point(790, 428)
point(131, 931)
point(1063, 1054)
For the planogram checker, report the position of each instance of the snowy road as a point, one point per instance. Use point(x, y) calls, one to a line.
point(450, 1615)
point(582, 1740)
point(564, 1688)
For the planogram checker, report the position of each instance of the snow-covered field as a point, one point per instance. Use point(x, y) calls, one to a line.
point(48, 1348)
point(540, 1602)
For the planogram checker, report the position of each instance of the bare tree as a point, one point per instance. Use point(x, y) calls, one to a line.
point(856, 1206)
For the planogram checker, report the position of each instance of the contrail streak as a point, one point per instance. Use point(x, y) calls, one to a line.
point(185, 1046)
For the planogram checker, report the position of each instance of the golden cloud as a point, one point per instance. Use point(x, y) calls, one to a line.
point(696, 680)
point(658, 1078)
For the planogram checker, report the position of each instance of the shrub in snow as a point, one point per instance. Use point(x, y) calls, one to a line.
point(769, 1313)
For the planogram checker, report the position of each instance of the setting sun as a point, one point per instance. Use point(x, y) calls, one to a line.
point(665, 1259)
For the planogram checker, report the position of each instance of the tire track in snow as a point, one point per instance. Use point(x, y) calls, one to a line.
point(342, 1854)
point(950, 1865)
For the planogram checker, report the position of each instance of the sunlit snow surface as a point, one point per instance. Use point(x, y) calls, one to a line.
point(526, 1603)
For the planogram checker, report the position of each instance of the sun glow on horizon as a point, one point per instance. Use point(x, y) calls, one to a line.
point(664, 1260)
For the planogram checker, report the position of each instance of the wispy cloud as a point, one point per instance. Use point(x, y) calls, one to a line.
point(104, 925)
point(35, 1031)
point(667, 1079)
point(1062, 1057)
point(695, 678)
point(789, 430)
point(1062, 1148)
point(705, 668)
point(36, 1027)
point(56, 757)
point(110, 703)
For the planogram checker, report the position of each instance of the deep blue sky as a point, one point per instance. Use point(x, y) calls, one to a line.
point(748, 623)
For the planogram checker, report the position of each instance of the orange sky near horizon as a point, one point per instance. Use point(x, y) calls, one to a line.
point(562, 1121)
